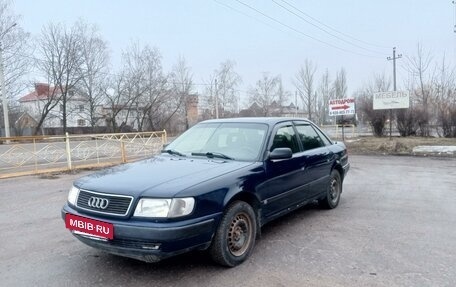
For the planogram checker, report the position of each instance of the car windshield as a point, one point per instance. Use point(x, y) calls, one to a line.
point(237, 141)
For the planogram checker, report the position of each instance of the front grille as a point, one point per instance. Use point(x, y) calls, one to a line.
point(124, 243)
point(135, 244)
point(118, 204)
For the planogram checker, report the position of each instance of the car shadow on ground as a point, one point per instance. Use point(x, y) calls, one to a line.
point(201, 259)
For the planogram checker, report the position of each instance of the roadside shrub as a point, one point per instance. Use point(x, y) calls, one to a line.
point(423, 120)
point(376, 118)
point(407, 121)
point(447, 119)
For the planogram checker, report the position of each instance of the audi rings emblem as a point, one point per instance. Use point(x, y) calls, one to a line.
point(98, 202)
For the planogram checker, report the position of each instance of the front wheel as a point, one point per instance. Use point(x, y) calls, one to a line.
point(235, 237)
point(332, 198)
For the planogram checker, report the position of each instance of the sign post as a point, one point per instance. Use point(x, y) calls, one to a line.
point(342, 107)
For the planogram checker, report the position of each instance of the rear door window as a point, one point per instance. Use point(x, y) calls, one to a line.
point(323, 137)
point(308, 137)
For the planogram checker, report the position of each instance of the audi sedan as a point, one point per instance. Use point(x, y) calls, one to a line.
point(212, 188)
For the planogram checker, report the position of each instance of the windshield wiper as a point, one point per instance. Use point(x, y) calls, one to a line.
point(212, 155)
point(173, 151)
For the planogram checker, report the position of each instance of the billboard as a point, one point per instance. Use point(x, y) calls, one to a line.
point(391, 100)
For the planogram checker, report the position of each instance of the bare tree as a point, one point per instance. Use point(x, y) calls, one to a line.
point(419, 67)
point(60, 50)
point(444, 86)
point(14, 51)
point(268, 94)
point(93, 72)
point(209, 98)
point(116, 98)
point(228, 82)
point(141, 95)
point(340, 84)
point(163, 96)
point(226, 89)
point(134, 86)
point(282, 96)
point(182, 87)
point(324, 92)
point(304, 82)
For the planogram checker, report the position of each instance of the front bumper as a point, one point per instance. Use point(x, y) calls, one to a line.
point(346, 168)
point(149, 241)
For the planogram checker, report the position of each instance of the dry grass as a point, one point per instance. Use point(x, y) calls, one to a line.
point(397, 145)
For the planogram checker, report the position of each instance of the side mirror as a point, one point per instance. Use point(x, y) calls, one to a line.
point(280, 153)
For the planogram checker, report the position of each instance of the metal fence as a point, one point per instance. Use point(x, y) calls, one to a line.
point(335, 131)
point(42, 154)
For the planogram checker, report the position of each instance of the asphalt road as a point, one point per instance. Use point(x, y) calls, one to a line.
point(395, 226)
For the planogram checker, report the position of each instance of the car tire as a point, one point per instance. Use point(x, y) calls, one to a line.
point(235, 236)
point(332, 198)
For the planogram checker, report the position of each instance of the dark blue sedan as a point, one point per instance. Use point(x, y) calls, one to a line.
point(212, 188)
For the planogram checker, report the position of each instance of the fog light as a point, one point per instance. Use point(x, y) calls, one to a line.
point(151, 246)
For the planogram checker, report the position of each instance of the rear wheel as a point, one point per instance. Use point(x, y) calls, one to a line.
point(235, 236)
point(332, 198)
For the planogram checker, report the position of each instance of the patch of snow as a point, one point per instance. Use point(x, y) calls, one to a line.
point(435, 149)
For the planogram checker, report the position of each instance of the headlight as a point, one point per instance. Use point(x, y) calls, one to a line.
point(181, 207)
point(154, 207)
point(73, 195)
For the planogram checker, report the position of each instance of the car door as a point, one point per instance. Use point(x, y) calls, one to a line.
point(283, 187)
point(317, 157)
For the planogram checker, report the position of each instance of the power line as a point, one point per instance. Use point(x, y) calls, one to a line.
point(322, 29)
point(334, 30)
point(245, 14)
point(454, 17)
point(304, 34)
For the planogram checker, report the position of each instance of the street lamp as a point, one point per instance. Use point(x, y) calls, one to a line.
point(2, 85)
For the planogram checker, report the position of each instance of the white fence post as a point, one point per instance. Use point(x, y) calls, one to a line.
point(164, 137)
point(122, 152)
point(68, 151)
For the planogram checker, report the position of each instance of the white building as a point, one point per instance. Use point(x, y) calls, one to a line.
point(77, 109)
point(34, 102)
point(128, 118)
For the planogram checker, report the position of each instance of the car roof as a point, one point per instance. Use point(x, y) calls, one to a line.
point(263, 120)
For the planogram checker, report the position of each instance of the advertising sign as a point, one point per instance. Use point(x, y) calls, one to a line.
point(391, 100)
point(342, 107)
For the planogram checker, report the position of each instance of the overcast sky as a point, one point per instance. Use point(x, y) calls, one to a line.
point(270, 39)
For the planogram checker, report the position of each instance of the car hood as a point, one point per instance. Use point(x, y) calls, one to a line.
point(160, 176)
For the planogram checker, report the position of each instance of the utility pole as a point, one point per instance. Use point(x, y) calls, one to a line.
point(216, 101)
point(394, 81)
